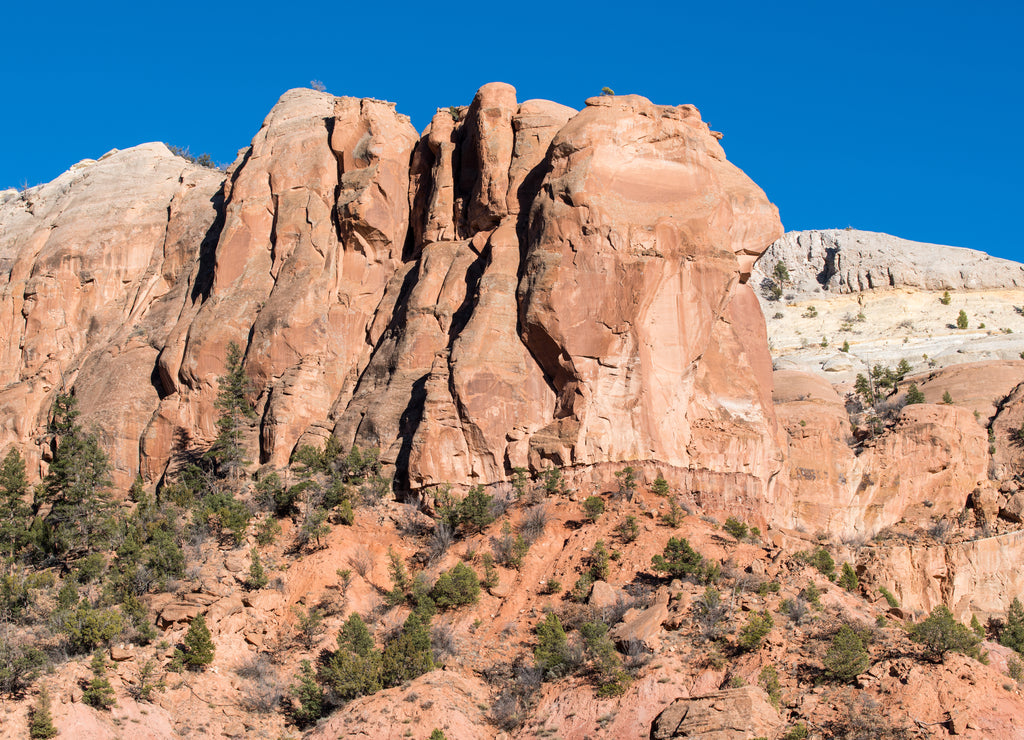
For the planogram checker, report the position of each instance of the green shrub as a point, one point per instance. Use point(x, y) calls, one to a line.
point(593, 507)
point(627, 482)
point(41, 721)
point(409, 655)
point(552, 586)
point(20, 665)
point(940, 633)
point(812, 594)
point(675, 513)
point(914, 395)
point(735, 527)
point(947, 399)
point(88, 627)
point(98, 692)
point(257, 575)
point(660, 487)
point(848, 578)
point(755, 630)
point(509, 548)
point(354, 669)
point(1012, 634)
point(945, 299)
point(797, 732)
point(490, 579)
point(820, 559)
point(581, 589)
point(198, 647)
point(552, 649)
point(961, 320)
point(678, 559)
point(456, 587)
point(309, 695)
point(890, 599)
point(599, 561)
point(768, 680)
point(847, 657)
point(628, 530)
point(605, 663)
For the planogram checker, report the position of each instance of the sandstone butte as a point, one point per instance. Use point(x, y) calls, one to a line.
point(521, 286)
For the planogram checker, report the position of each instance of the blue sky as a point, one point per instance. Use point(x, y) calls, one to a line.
point(902, 117)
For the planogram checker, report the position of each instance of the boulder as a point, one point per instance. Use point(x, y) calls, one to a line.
point(732, 714)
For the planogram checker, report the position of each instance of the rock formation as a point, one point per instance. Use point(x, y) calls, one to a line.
point(521, 286)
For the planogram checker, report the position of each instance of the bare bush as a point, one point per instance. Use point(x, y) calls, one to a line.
point(264, 688)
point(709, 614)
point(534, 522)
point(940, 530)
point(443, 643)
point(361, 561)
point(440, 541)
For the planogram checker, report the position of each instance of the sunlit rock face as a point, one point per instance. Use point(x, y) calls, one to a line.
point(521, 285)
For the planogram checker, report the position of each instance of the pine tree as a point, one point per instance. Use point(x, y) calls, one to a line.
point(41, 723)
point(99, 693)
point(846, 657)
point(354, 669)
point(552, 650)
point(77, 485)
point(14, 512)
point(1013, 632)
point(198, 644)
point(678, 558)
point(914, 395)
point(227, 452)
point(310, 696)
point(848, 578)
point(408, 655)
point(257, 575)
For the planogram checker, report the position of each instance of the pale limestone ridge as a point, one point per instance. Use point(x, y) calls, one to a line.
point(883, 296)
point(852, 261)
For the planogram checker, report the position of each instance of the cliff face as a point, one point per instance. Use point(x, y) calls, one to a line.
point(522, 285)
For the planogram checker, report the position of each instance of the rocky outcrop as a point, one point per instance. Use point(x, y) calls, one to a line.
point(926, 465)
point(853, 261)
point(854, 299)
point(731, 714)
point(94, 269)
point(520, 286)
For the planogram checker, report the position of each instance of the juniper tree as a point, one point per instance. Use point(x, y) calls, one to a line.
point(14, 512)
point(914, 395)
point(99, 693)
point(227, 451)
point(847, 657)
point(198, 645)
point(41, 722)
point(1012, 634)
point(409, 654)
point(940, 633)
point(354, 669)
point(309, 695)
point(77, 485)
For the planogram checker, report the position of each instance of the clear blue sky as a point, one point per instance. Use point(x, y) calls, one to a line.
point(904, 117)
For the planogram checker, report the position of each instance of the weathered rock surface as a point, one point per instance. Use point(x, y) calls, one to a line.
point(94, 267)
point(880, 299)
point(853, 261)
point(724, 715)
point(522, 285)
point(925, 465)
